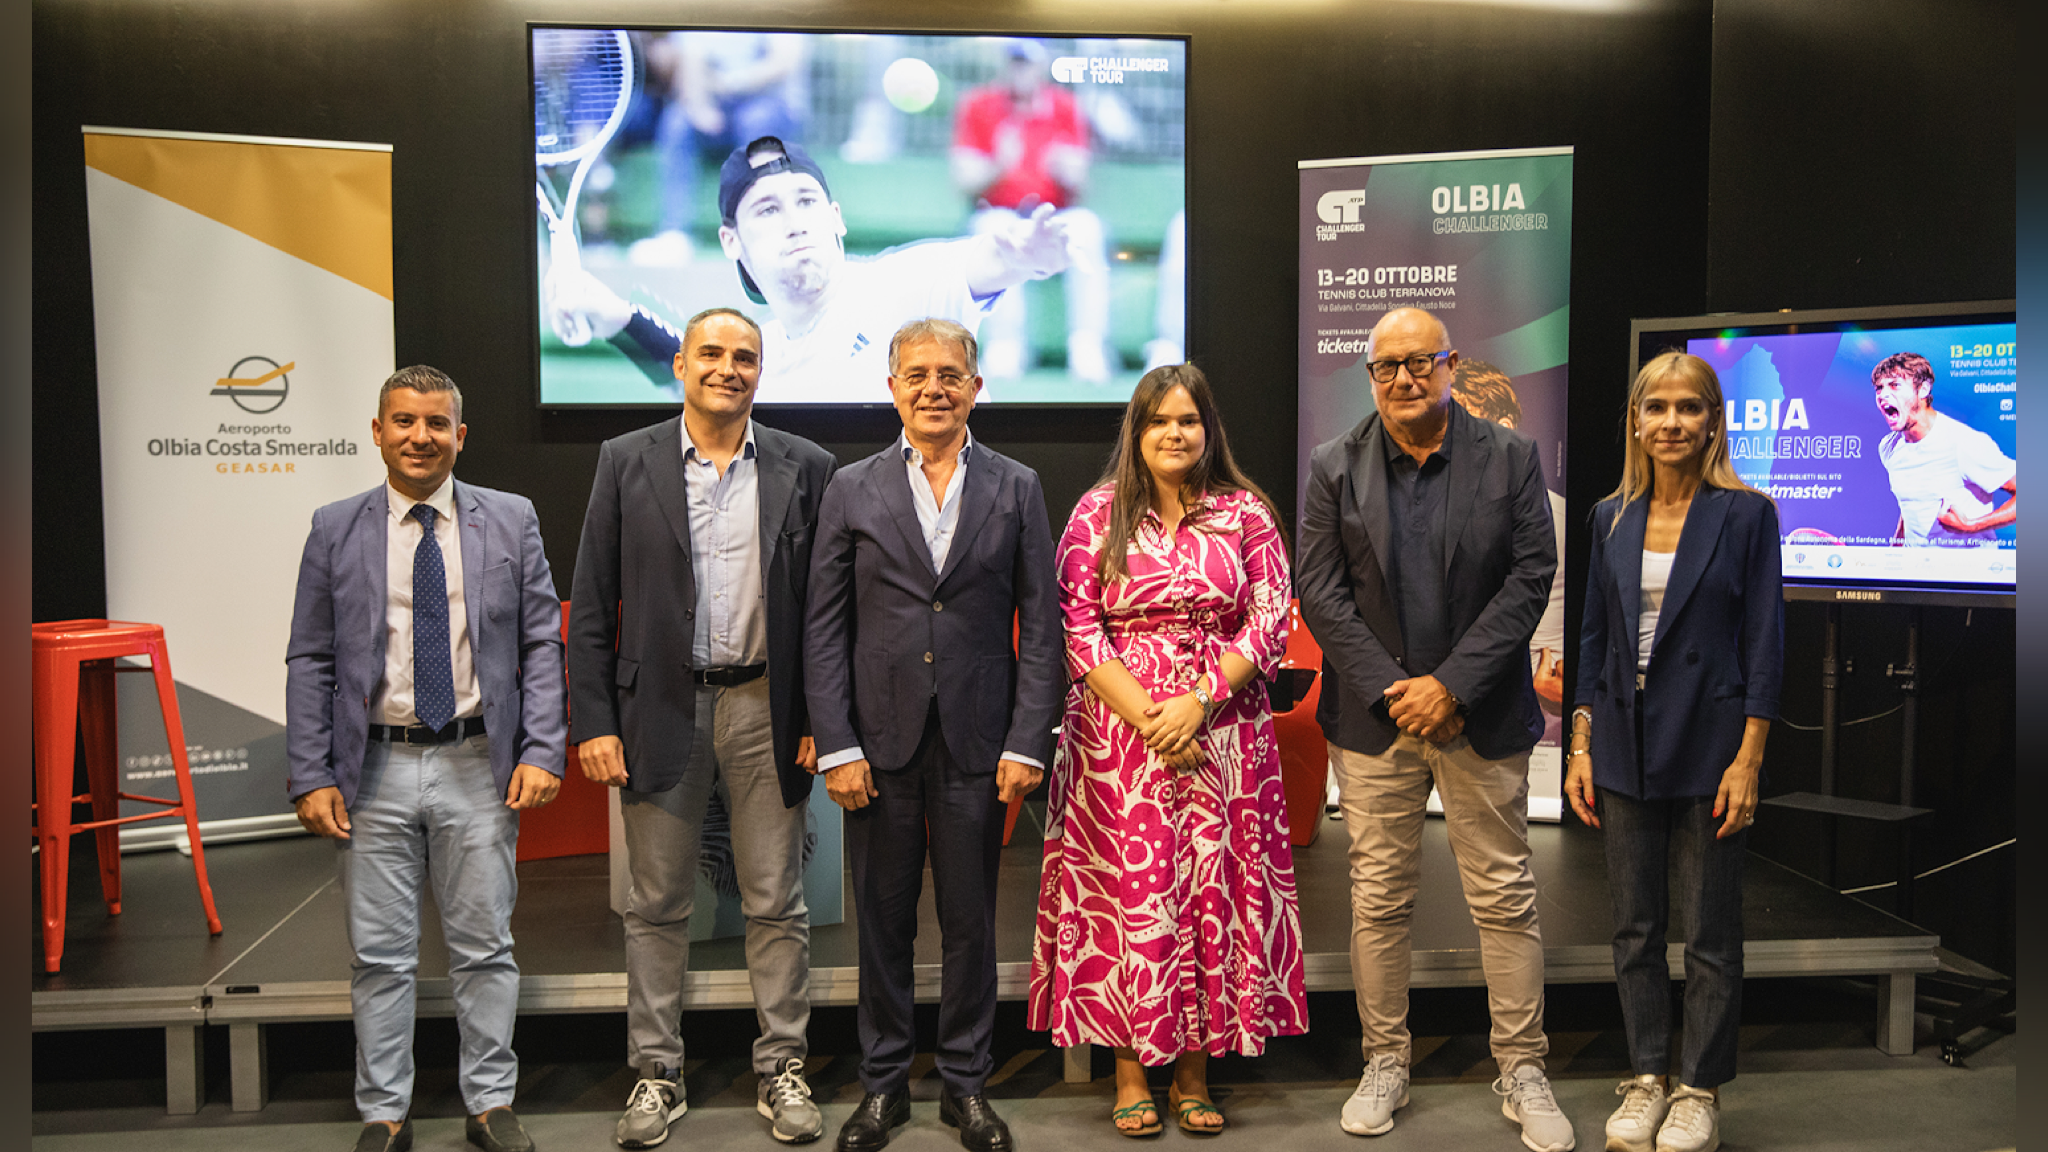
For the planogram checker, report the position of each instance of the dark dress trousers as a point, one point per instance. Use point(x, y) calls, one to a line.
point(633, 605)
point(1498, 562)
point(916, 668)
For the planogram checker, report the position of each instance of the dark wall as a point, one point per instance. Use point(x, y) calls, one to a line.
point(1740, 154)
point(1853, 163)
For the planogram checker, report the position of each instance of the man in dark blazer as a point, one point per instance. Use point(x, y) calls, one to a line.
point(685, 632)
point(927, 720)
point(1426, 560)
point(423, 710)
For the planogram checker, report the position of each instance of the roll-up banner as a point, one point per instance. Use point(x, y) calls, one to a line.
point(242, 312)
point(1483, 240)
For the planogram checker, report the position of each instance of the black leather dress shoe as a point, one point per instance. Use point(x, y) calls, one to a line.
point(868, 1128)
point(380, 1137)
point(981, 1130)
point(498, 1131)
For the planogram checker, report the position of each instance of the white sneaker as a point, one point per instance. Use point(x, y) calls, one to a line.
point(785, 1098)
point(1383, 1088)
point(1694, 1124)
point(1633, 1127)
point(1528, 1102)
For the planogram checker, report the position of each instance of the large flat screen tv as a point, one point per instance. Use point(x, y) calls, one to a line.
point(1887, 436)
point(833, 186)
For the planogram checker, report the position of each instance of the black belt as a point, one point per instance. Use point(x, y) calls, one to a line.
point(730, 676)
point(448, 733)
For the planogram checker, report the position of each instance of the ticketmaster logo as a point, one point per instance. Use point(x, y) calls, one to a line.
point(1340, 347)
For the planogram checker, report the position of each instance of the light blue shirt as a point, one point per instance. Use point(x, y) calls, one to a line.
point(725, 555)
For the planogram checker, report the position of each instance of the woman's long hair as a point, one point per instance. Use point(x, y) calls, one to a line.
point(1213, 474)
point(1637, 473)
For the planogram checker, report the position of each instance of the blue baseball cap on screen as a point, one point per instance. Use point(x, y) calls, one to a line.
point(739, 173)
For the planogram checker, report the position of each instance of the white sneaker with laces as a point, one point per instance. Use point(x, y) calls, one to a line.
point(1382, 1089)
point(1633, 1127)
point(1694, 1124)
point(1528, 1102)
point(654, 1105)
point(786, 1099)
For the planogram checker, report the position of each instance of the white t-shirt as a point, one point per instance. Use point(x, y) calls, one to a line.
point(1650, 602)
point(1953, 466)
point(844, 358)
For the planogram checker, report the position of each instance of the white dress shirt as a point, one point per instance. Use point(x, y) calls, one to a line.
point(392, 702)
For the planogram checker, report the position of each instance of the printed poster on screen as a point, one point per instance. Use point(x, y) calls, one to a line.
point(1483, 240)
point(1878, 441)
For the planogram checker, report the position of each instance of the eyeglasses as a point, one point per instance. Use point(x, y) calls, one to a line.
point(917, 378)
point(1419, 365)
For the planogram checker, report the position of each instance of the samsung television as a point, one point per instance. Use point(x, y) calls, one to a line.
point(833, 186)
point(1887, 436)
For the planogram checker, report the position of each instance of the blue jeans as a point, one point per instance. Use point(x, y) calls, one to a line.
point(431, 815)
point(1656, 848)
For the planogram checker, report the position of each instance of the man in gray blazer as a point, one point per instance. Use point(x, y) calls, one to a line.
point(1426, 560)
point(927, 720)
point(423, 709)
point(685, 628)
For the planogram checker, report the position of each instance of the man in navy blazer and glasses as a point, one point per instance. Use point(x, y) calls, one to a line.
point(423, 711)
point(927, 720)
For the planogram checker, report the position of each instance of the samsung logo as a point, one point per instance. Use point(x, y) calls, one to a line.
point(1846, 594)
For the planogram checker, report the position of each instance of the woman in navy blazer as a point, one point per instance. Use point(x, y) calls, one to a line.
point(1680, 657)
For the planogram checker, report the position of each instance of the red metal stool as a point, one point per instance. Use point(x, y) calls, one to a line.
point(74, 685)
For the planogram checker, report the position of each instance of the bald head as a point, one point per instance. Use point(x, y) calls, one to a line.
point(1412, 322)
point(1411, 364)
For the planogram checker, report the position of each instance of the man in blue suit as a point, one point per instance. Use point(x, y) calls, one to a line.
point(927, 721)
point(1426, 560)
point(424, 709)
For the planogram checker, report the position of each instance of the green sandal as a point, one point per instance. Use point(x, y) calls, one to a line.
point(1134, 1110)
point(1185, 1107)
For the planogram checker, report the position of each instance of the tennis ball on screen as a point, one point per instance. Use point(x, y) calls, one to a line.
point(910, 84)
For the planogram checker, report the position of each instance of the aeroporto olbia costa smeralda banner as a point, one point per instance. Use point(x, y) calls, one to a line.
point(1484, 241)
point(243, 322)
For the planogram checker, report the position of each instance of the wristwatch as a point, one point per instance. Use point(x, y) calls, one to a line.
point(1207, 701)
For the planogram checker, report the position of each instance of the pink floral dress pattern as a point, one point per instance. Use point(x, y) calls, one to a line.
point(1167, 916)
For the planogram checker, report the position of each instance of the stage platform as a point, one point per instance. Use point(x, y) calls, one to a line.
point(284, 954)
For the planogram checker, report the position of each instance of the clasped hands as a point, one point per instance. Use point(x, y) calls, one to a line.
point(1422, 706)
point(1170, 730)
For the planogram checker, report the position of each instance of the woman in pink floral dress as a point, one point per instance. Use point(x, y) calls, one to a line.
point(1167, 924)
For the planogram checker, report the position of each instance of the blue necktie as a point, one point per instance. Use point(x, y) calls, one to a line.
point(433, 680)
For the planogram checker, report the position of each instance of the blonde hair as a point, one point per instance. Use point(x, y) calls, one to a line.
point(1636, 472)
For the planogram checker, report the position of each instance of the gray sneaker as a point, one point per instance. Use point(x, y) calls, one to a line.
point(655, 1104)
point(1383, 1088)
point(785, 1099)
point(1528, 1102)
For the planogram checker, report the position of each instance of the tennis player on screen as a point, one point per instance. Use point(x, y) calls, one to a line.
point(832, 317)
point(1946, 475)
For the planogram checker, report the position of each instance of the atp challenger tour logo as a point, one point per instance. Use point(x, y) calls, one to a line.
point(1105, 69)
point(259, 386)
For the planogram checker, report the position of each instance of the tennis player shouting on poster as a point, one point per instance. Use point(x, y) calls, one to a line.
point(1946, 474)
point(828, 338)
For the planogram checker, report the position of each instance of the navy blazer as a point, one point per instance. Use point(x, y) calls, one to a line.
point(1718, 655)
point(886, 633)
point(1500, 558)
point(633, 603)
point(336, 655)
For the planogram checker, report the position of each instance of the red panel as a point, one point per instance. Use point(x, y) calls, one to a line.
point(578, 822)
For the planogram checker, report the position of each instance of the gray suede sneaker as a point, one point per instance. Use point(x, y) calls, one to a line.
point(655, 1104)
point(785, 1099)
point(1383, 1088)
point(1528, 1102)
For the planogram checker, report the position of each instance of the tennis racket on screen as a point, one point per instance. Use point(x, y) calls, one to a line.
point(582, 82)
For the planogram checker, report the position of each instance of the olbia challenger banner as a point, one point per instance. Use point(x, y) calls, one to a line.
point(242, 312)
point(1482, 240)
